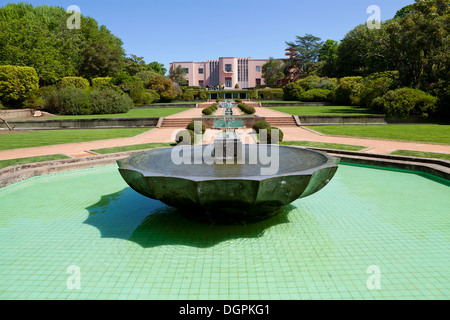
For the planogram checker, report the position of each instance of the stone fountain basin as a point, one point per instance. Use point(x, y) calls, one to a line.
point(204, 189)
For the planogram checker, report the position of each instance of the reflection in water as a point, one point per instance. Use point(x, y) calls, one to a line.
point(149, 223)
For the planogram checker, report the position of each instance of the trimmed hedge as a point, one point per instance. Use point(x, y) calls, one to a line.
point(75, 82)
point(185, 137)
point(406, 102)
point(348, 91)
point(246, 109)
point(270, 94)
point(16, 83)
point(191, 126)
point(259, 125)
point(317, 95)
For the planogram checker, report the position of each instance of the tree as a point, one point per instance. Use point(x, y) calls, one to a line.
point(178, 75)
point(100, 60)
point(272, 71)
point(158, 68)
point(307, 51)
point(328, 54)
point(164, 87)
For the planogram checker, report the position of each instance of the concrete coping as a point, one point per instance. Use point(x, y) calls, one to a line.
point(14, 174)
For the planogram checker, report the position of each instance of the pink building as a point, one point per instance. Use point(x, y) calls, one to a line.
point(246, 72)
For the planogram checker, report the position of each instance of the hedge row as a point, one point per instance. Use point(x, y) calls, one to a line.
point(246, 108)
point(210, 110)
point(17, 83)
point(260, 126)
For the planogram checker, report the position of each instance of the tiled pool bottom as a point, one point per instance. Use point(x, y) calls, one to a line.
point(120, 245)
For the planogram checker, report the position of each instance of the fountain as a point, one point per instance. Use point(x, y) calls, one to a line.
point(228, 181)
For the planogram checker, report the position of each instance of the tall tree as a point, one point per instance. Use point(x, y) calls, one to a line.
point(328, 54)
point(272, 71)
point(307, 50)
point(178, 75)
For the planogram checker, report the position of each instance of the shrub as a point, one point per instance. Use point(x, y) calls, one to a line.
point(68, 101)
point(259, 125)
point(188, 95)
point(269, 134)
point(185, 137)
point(271, 94)
point(406, 102)
point(309, 83)
point(246, 109)
point(191, 126)
point(99, 82)
point(292, 91)
point(73, 101)
point(16, 83)
point(348, 91)
point(238, 100)
point(202, 95)
point(207, 111)
point(316, 95)
point(75, 82)
point(236, 86)
point(108, 102)
point(377, 85)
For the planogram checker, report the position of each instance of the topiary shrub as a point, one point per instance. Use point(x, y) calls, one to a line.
point(269, 138)
point(68, 101)
point(75, 82)
point(185, 137)
point(246, 109)
point(376, 86)
point(406, 102)
point(316, 95)
point(191, 126)
point(259, 125)
point(16, 83)
point(207, 111)
point(238, 100)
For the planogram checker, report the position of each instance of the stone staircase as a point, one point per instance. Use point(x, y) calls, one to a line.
point(175, 122)
point(282, 121)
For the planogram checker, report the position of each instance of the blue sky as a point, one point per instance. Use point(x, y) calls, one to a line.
point(198, 30)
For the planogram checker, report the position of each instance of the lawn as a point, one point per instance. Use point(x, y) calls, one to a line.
point(418, 133)
point(16, 140)
point(133, 113)
point(13, 162)
point(323, 145)
point(421, 154)
point(324, 110)
point(133, 148)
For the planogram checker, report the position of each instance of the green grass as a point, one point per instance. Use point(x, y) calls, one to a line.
point(13, 162)
point(133, 148)
point(324, 110)
point(323, 145)
point(177, 103)
point(133, 113)
point(417, 133)
point(16, 140)
point(421, 154)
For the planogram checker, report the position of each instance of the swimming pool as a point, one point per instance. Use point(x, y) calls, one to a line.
point(370, 234)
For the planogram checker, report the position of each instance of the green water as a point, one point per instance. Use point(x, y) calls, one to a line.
point(126, 246)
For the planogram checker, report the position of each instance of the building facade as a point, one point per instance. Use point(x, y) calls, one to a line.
point(245, 72)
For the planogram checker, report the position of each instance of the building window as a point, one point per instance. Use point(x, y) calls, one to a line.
point(186, 70)
point(258, 82)
point(200, 70)
point(228, 68)
point(201, 83)
point(228, 82)
point(258, 68)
